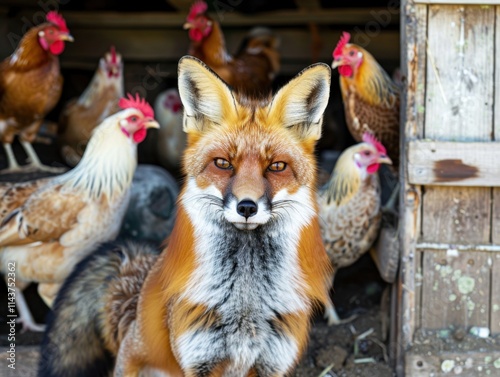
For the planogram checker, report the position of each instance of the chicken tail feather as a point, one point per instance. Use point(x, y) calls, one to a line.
point(76, 340)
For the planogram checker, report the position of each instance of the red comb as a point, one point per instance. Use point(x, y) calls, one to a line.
point(113, 55)
point(197, 8)
point(344, 39)
point(371, 139)
point(137, 103)
point(58, 20)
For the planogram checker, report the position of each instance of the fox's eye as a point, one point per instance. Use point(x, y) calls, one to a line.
point(277, 166)
point(222, 163)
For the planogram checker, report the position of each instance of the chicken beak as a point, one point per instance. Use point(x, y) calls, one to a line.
point(187, 25)
point(151, 123)
point(338, 63)
point(383, 159)
point(66, 37)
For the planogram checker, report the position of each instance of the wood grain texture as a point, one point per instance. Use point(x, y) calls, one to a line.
point(455, 289)
point(456, 215)
point(413, 66)
point(495, 296)
point(495, 221)
point(459, 95)
point(454, 163)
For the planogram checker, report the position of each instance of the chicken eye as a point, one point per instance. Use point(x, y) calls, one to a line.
point(222, 163)
point(133, 119)
point(367, 153)
point(277, 166)
point(351, 53)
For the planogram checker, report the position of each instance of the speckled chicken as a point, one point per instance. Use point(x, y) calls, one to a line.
point(48, 225)
point(371, 98)
point(30, 87)
point(349, 204)
point(99, 100)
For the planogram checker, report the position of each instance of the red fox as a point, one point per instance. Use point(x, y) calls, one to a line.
point(234, 291)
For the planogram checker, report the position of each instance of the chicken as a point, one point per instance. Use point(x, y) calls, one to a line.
point(251, 70)
point(99, 100)
point(349, 204)
point(171, 137)
point(371, 98)
point(48, 225)
point(31, 86)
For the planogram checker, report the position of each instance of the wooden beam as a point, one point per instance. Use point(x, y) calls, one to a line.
point(342, 16)
point(447, 163)
point(413, 67)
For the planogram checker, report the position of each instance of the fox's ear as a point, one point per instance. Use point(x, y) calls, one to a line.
point(300, 104)
point(203, 94)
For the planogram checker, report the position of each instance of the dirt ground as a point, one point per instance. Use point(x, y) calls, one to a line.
point(354, 349)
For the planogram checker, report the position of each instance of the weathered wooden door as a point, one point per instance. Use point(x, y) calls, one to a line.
point(449, 287)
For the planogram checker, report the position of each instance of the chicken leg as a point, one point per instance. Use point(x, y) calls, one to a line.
point(11, 159)
point(25, 317)
point(35, 163)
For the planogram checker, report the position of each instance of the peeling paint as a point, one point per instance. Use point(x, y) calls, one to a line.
point(496, 363)
point(452, 297)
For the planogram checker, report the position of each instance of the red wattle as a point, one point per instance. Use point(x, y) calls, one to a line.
point(373, 168)
point(345, 70)
point(140, 135)
point(56, 48)
point(195, 34)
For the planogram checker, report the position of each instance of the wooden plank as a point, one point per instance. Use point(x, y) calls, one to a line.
point(460, 73)
point(454, 163)
point(495, 297)
point(495, 221)
point(459, 94)
point(115, 19)
point(413, 63)
point(419, 277)
point(447, 363)
point(455, 289)
point(458, 215)
point(459, 2)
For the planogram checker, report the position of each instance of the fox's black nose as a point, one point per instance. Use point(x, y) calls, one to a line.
point(246, 208)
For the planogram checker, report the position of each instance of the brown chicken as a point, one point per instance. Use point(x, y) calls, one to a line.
point(48, 225)
point(350, 209)
point(371, 98)
point(30, 86)
point(251, 70)
point(99, 100)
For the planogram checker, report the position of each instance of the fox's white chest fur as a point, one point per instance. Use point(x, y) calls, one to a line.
point(249, 278)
